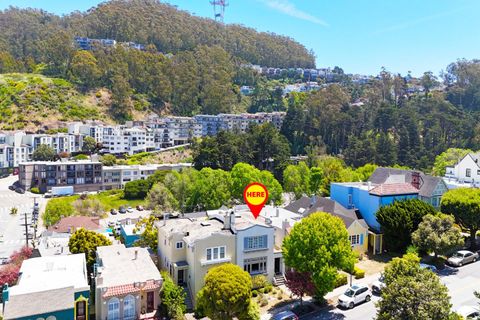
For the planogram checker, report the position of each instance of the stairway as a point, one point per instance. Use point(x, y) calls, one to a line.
point(188, 298)
point(278, 279)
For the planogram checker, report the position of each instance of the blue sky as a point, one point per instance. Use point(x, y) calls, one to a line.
point(360, 36)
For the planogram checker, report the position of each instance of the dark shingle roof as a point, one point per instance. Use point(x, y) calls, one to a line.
point(307, 206)
point(390, 175)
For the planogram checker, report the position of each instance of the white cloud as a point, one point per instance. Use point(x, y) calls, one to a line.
point(288, 8)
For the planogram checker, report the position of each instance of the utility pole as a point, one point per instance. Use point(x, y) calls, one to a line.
point(26, 230)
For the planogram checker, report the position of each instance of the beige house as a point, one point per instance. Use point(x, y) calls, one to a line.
point(127, 284)
point(189, 247)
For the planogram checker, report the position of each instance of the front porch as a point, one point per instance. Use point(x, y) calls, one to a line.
point(375, 242)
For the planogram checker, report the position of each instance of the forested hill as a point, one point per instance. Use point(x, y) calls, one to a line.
point(25, 32)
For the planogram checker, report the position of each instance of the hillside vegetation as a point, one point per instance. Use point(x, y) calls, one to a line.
point(28, 101)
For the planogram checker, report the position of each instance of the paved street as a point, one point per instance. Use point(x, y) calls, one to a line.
point(461, 283)
point(11, 226)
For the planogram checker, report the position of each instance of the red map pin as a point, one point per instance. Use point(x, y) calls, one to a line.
point(255, 196)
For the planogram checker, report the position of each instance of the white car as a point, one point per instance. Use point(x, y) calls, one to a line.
point(354, 295)
point(130, 209)
point(378, 285)
point(469, 312)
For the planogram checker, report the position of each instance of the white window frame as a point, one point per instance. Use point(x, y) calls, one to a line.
point(179, 245)
point(215, 253)
point(113, 314)
point(354, 239)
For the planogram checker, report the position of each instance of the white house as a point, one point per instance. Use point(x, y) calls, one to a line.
point(465, 173)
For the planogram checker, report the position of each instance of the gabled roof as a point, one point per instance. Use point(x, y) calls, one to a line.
point(383, 175)
point(306, 206)
point(70, 224)
point(390, 189)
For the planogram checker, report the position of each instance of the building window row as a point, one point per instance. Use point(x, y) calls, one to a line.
point(255, 243)
point(215, 253)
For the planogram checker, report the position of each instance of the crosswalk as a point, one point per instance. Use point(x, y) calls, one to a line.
point(11, 242)
point(11, 195)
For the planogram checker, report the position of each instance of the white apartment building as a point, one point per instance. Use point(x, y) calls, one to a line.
point(60, 142)
point(465, 173)
point(13, 149)
point(174, 131)
point(120, 139)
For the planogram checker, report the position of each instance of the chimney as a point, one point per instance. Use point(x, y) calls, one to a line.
point(136, 254)
point(369, 185)
point(227, 221)
point(165, 218)
point(277, 212)
point(313, 200)
point(232, 220)
point(416, 179)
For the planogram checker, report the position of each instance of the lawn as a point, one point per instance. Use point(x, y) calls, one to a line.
point(113, 200)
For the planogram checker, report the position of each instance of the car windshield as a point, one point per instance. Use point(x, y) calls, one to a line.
point(457, 255)
point(349, 293)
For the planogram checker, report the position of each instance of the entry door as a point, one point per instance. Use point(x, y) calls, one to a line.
point(277, 266)
point(81, 310)
point(150, 301)
point(181, 276)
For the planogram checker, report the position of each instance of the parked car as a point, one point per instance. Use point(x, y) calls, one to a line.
point(469, 312)
point(428, 267)
point(140, 208)
point(462, 257)
point(285, 315)
point(111, 224)
point(11, 187)
point(378, 285)
point(129, 209)
point(122, 210)
point(20, 190)
point(4, 260)
point(113, 212)
point(354, 295)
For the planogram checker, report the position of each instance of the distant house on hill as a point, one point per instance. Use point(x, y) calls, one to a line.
point(465, 173)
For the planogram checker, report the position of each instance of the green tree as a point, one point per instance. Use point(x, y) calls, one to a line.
point(212, 189)
point(89, 144)
point(43, 153)
point(400, 219)
point(160, 199)
point(56, 209)
point(428, 81)
point(137, 189)
point(226, 293)
point(173, 297)
point(86, 241)
point(464, 205)
point(437, 234)
point(319, 244)
point(108, 160)
point(84, 69)
point(448, 158)
point(412, 293)
point(296, 179)
point(149, 235)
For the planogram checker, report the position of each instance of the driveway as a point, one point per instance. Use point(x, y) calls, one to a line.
point(461, 283)
point(12, 231)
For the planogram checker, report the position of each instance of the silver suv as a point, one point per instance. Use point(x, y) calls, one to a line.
point(462, 257)
point(354, 295)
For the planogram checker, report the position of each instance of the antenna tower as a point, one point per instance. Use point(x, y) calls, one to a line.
point(219, 9)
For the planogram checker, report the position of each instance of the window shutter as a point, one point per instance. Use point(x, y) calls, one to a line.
point(245, 243)
point(361, 238)
point(265, 241)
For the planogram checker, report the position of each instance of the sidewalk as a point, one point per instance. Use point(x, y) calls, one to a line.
point(331, 296)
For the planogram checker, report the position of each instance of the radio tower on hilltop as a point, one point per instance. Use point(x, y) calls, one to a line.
point(219, 9)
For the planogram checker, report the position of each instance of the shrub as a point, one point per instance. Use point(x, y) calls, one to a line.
point(261, 290)
point(35, 190)
point(358, 273)
point(279, 296)
point(263, 301)
point(137, 189)
point(254, 293)
point(341, 280)
point(259, 282)
point(81, 156)
point(268, 287)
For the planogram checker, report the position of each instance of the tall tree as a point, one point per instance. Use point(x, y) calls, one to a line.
point(86, 241)
point(299, 283)
point(464, 205)
point(400, 219)
point(437, 234)
point(43, 153)
point(319, 244)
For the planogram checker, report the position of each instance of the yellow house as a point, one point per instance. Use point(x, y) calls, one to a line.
point(357, 228)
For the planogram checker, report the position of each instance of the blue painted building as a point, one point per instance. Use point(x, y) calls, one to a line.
point(50, 288)
point(129, 234)
point(367, 198)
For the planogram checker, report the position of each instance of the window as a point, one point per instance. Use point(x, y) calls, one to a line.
point(354, 240)
point(215, 253)
point(468, 173)
point(180, 245)
point(129, 308)
point(113, 309)
point(478, 172)
point(255, 265)
point(255, 243)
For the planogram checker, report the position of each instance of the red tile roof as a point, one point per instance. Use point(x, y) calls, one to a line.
point(391, 189)
point(70, 224)
point(128, 289)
